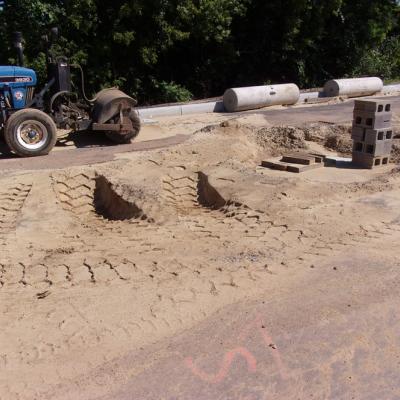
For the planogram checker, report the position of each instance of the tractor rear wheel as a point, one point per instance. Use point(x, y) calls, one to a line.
point(30, 133)
point(126, 137)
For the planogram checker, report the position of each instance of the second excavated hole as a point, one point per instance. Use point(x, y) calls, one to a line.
point(110, 205)
point(207, 195)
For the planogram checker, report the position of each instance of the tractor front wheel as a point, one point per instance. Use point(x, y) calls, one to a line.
point(30, 133)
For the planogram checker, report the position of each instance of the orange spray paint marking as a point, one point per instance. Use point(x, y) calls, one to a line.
point(258, 326)
point(225, 366)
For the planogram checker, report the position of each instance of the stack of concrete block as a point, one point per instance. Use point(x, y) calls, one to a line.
point(372, 133)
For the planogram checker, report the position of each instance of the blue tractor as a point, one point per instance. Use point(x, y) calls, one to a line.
point(29, 118)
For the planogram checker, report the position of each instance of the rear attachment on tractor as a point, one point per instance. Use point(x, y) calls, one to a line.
point(113, 112)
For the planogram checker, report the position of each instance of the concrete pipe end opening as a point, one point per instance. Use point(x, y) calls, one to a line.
point(331, 88)
point(231, 100)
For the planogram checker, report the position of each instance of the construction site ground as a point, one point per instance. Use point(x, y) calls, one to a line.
point(178, 268)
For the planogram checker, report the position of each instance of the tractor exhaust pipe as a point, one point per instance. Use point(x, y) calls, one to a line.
point(17, 41)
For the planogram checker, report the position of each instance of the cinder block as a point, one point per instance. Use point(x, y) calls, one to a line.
point(363, 160)
point(376, 149)
point(383, 148)
point(358, 133)
point(358, 147)
point(372, 133)
point(373, 105)
point(372, 120)
point(377, 135)
point(369, 161)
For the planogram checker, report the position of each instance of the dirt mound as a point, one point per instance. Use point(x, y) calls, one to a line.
point(275, 139)
point(396, 124)
point(331, 136)
point(245, 140)
point(395, 157)
point(259, 137)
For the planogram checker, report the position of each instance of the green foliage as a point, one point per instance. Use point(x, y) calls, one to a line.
point(309, 41)
point(165, 50)
point(171, 92)
point(383, 60)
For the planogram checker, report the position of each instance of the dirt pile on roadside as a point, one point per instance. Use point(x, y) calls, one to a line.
point(395, 157)
point(331, 136)
point(275, 140)
point(256, 138)
point(280, 138)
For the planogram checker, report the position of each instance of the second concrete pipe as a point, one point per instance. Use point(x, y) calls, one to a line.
point(353, 87)
point(253, 97)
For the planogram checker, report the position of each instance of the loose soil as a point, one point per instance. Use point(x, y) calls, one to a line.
point(99, 260)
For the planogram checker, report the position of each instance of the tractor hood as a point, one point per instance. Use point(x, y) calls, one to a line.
point(16, 76)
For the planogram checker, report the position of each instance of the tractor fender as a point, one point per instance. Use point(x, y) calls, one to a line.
point(108, 103)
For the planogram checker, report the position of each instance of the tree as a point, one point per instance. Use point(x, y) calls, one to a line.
point(171, 50)
point(309, 41)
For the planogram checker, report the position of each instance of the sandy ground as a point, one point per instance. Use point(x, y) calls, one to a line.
point(106, 269)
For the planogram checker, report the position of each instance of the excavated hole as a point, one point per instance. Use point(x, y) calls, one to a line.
point(110, 205)
point(207, 195)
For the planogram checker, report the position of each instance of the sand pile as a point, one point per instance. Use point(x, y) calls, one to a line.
point(278, 139)
point(261, 138)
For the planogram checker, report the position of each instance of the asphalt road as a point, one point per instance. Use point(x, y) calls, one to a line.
point(334, 113)
point(93, 149)
point(85, 155)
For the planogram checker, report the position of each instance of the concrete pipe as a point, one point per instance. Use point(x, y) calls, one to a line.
point(391, 88)
point(286, 94)
point(250, 98)
point(353, 87)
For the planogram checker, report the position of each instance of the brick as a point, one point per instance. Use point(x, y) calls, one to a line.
point(319, 158)
point(303, 168)
point(274, 165)
point(373, 105)
point(298, 159)
point(303, 158)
